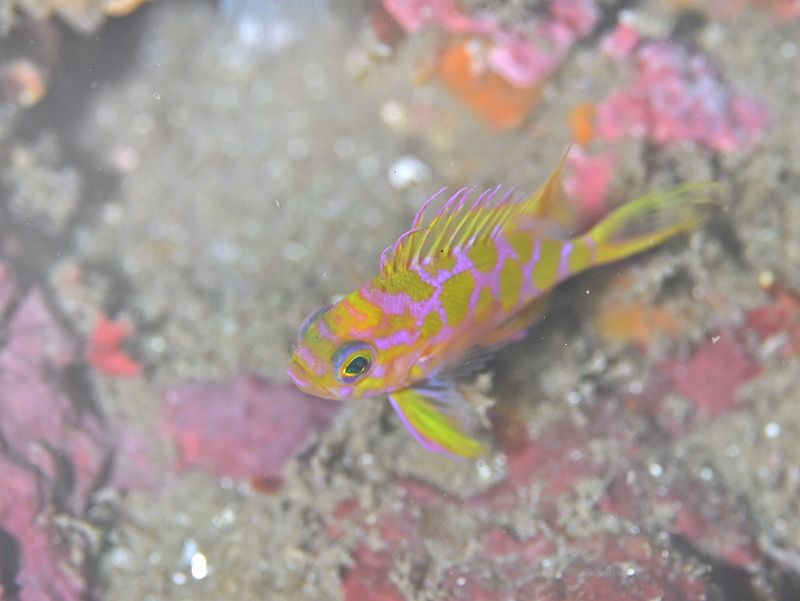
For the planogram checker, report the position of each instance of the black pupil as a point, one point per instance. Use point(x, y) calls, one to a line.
point(357, 366)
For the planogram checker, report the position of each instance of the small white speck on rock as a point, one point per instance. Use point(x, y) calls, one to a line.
point(772, 430)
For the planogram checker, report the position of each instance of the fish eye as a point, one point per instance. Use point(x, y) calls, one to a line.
point(353, 361)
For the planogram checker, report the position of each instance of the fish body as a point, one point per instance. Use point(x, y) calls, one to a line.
point(472, 278)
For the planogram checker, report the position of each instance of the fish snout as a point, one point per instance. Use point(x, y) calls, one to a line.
point(308, 381)
point(299, 375)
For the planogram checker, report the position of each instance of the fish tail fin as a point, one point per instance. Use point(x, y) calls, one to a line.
point(648, 221)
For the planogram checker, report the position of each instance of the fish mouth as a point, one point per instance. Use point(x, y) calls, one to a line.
point(303, 379)
point(299, 375)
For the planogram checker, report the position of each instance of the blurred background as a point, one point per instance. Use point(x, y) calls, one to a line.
point(181, 182)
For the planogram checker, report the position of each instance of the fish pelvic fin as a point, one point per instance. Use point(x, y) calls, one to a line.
point(648, 221)
point(438, 419)
point(464, 221)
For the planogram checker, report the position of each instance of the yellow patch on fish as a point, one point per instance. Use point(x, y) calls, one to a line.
point(510, 283)
point(432, 324)
point(483, 307)
point(581, 255)
point(456, 292)
point(522, 243)
point(364, 313)
point(445, 263)
point(483, 256)
point(406, 282)
point(545, 271)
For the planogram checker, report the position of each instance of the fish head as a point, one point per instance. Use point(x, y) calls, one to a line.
point(336, 355)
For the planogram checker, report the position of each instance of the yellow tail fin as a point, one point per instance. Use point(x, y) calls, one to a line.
point(649, 220)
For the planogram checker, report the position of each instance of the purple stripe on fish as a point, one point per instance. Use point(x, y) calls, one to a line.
point(399, 337)
point(592, 247)
point(527, 285)
point(563, 266)
point(504, 252)
point(306, 356)
point(300, 382)
point(392, 304)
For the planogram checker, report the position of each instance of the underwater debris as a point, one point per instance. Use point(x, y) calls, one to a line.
point(620, 318)
point(23, 82)
point(44, 563)
point(557, 467)
point(52, 455)
point(370, 578)
point(40, 189)
point(603, 568)
point(551, 554)
point(489, 95)
point(679, 96)
point(27, 56)
point(639, 323)
point(730, 9)
point(246, 428)
point(710, 379)
point(703, 513)
point(778, 321)
point(497, 70)
point(84, 16)
point(271, 26)
point(581, 122)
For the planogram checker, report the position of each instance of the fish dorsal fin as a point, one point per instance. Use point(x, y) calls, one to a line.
point(462, 223)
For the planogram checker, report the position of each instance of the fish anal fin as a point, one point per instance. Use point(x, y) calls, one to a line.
point(438, 420)
point(516, 326)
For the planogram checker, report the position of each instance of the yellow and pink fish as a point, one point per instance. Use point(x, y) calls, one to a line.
point(470, 279)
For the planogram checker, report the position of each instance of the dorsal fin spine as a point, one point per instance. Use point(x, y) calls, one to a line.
point(454, 239)
point(462, 222)
point(457, 199)
point(421, 212)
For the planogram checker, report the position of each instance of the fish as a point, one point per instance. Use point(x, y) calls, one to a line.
point(459, 285)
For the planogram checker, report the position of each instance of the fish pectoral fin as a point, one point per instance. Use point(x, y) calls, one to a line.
point(516, 326)
point(439, 418)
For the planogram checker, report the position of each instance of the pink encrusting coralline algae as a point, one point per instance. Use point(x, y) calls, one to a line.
point(525, 60)
point(56, 450)
point(246, 428)
point(522, 55)
point(588, 182)
point(678, 96)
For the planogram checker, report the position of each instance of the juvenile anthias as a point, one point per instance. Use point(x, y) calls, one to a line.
point(470, 279)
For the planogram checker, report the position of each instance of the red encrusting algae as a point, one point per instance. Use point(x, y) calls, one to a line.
point(246, 428)
point(104, 351)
